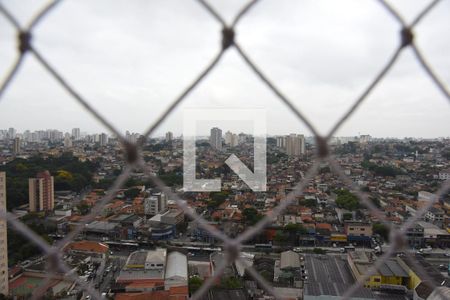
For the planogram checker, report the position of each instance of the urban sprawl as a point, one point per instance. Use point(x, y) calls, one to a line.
point(141, 245)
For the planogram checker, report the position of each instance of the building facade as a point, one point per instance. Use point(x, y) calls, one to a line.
point(155, 204)
point(295, 145)
point(215, 138)
point(3, 239)
point(41, 192)
point(16, 146)
point(76, 134)
point(169, 136)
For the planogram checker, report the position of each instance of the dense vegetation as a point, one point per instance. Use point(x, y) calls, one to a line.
point(382, 230)
point(21, 248)
point(69, 174)
point(251, 216)
point(194, 284)
point(345, 199)
point(382, 170)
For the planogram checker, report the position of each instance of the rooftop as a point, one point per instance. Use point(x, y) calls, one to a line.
point(289, 259)
point(88, 246)
point(176, 265)
point(329, 277)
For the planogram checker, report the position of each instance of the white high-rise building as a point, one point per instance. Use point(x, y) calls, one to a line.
point(76, 134)
point(215, 138)
point(4, 289)
point(228, 137)
point(281, 142)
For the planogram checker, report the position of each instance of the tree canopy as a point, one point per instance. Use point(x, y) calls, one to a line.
point(345, 199)
point(69, 174)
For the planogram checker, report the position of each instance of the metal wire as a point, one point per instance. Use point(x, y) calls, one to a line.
point(133, 160)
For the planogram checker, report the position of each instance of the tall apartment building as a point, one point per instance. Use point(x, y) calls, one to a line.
point(169, 136)
point(76, 134)
point(103, 139)
point(155, 204)
point(215, 138)
point(295, 144)
point(16, 146)
point(281, 142)
point(3, 239)
point(41, 192)
point(231, 139)
point(11, 133)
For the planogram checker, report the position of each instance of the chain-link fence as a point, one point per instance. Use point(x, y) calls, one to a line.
point(232, 247)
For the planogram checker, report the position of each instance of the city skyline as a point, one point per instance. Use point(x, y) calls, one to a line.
point(140, 77)
point(205, 134)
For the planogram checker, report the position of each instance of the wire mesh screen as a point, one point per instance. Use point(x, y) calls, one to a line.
point(134, 160)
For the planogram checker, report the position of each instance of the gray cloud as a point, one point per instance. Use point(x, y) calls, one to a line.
point(130, 59)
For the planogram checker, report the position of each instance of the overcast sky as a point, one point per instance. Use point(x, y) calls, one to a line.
point(131, 59)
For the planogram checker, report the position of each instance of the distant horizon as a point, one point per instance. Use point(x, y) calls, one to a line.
point(178, 135)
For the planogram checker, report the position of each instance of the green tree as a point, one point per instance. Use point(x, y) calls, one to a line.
point(308, 202)
point(231, 283)
point(382, 230)
point(69, 173)
point(132, 193)
point(217, 198)
point(251, 216)
point(319, 251)
point(296, 228)
point(281, 237)
point(345, 199)
point(347, 216)
point(83, 208)
point(194, 284)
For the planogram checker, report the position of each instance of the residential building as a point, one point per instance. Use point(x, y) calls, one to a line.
point(434, 214)
point(357, 228)
point(231, 139)
point(155, 204)
point(11, 133)
point(169, 136)
point(103, 139)
point(444, 175)
point(425, 196)
point(3, 239)
point(281, 142)
point(415, 236)
point(76, 134)
point(215, 138)
point(16, 146)
point(295, 144)
point(358, 231)
point(41, 192)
